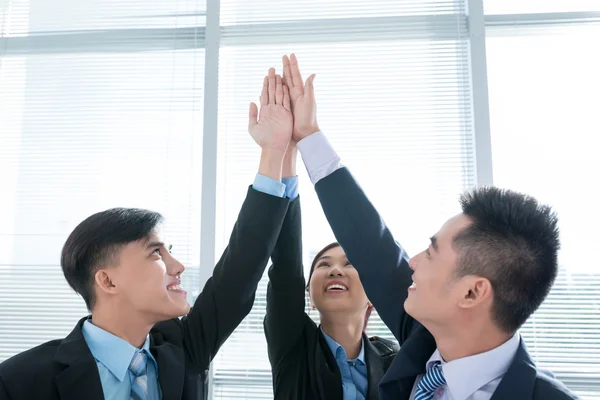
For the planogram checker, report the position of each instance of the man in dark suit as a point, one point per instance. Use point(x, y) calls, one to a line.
point(484, 273)
point(133, 345)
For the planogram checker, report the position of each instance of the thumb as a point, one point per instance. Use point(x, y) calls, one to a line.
point(308, 86)
point(252, 116)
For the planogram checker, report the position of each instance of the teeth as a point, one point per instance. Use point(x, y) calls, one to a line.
point(176, 287)
point(336, 286)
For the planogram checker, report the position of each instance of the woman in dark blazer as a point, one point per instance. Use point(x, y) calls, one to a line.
point(331, 361)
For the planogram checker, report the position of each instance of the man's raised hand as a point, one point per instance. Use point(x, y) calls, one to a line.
point(302, 97)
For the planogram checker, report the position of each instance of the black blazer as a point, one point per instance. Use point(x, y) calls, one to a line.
point(302, 362)
point(65, 369)
point(383, 268)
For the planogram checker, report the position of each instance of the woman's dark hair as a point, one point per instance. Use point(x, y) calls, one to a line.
point(312, 269)
point(319, 255)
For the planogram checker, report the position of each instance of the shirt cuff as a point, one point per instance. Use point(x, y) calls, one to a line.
point(268, 185)
point(291, 187)
point(320, 159)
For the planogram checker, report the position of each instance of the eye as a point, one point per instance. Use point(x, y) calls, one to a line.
point(428, 252)
point(323, 264)
point(156, 251)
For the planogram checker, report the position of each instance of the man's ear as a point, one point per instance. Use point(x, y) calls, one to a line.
point(105, 281)
point(476, 290)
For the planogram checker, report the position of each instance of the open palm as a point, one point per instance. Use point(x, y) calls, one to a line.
point(272, 128)
point(302, 98)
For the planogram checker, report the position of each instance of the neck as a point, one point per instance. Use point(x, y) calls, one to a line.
point(346, 329)
point(122, 323)
point(463, 341)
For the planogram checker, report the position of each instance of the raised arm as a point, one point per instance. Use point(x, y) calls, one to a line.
point(228, 295)
point(381, 262)
point(286, 292)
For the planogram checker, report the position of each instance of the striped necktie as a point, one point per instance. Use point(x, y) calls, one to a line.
point(139, 386)
point(433, 379)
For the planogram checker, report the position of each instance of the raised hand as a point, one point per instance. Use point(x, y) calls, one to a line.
point(272, 129)
point(302, 97)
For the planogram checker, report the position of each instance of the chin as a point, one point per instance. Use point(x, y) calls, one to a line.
point(175, 310)
point(409, 308)
point(335, 307)
point(182, 310)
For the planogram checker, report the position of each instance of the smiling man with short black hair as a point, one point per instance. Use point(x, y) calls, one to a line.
point(134, 345)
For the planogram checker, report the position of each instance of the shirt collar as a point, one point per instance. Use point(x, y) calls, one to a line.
point(480, 369)
point(112, 351)
point(336, 347)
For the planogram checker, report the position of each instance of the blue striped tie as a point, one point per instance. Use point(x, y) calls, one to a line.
point(433, 379)
point(139, 386)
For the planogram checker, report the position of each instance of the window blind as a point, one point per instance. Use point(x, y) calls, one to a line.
point(101, 105)
point(43, 17)
point(393, 97)
point(538, 6)
point(544, 87)
point(85, 129)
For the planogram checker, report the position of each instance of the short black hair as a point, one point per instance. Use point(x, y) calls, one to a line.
point(96, 242)
point(513, 241)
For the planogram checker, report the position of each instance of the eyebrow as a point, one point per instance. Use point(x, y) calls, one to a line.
point(434, 243)
point(158, 244)
point(324, 258)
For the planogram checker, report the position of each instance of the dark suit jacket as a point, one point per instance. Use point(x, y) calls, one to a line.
point(65, 369)
point(302, 362)
point(383, 268)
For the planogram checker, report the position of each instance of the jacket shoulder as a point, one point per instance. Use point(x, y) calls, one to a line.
point(384, 347)
point(37, 361)
point(549, 388)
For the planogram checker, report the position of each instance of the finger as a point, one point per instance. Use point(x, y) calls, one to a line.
point(286, 98)
point(278, 91)
point(309, 86)
point(287, 72)
point(272, 85)
point(264, 95)
point(252, 116)
point(296, 75)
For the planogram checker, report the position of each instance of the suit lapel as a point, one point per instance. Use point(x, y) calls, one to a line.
point(519, 380)
point(80, 378)
point(171, 366)
point(409, 363)
point(374, 369)
point(327, 373)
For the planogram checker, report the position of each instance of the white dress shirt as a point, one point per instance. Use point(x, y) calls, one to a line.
point(320, 159)
point(469, 378)
point(474, 377)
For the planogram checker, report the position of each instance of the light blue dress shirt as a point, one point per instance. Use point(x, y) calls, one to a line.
point(113, 356)
point(354, 372)
point(288, 187)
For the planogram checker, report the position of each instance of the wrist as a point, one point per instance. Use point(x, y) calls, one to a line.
point(271, 163)
point(289, 161)
point(304, 132)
